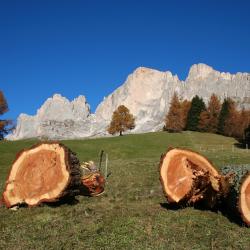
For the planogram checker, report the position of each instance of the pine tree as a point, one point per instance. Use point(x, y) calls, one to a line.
point(121, 121)
point(209, 118)
point(173, 121)
point(246, 139)
point(224, 117)
point(4, 124)
point(197, 106)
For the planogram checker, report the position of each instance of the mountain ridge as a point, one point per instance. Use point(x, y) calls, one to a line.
point(146, 92)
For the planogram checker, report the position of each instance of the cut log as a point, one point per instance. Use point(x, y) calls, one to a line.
point(238, 199)
point(188, 177)
point(44, 173)
point(93, 182)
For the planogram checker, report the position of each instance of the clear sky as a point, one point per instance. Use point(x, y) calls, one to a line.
point(89, 47)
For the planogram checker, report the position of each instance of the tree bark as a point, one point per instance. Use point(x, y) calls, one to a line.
point(44, 173)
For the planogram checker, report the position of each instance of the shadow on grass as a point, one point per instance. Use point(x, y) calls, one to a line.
point(63, 201)
point(171, 206)
point(240, 145)
point(199, 206)
point(232, 217)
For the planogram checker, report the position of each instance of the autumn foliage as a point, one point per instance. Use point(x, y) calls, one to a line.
point(121, 121)
point(3, 104)
point(176, 118)
point(209, 118)
point(185, 107)
point(4, 124)
point(226, 118)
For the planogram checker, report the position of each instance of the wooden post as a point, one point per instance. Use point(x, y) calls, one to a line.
point(100, 161)
point(106, 167)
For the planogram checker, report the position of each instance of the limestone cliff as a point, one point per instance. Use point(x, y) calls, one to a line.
point(146, 92)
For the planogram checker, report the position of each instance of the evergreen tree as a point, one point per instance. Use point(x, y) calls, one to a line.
point(224, 114)
point(197, 106)
point(4, 124)
point(209, 118)
point(173, 121)
point(121, 121)
point(246, 139)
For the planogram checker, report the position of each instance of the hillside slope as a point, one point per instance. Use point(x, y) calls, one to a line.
point(132, 213)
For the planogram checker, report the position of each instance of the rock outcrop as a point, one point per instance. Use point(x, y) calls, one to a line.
point(58, 118)
point(146, 92)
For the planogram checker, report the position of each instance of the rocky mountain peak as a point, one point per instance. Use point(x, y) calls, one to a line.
point(200, 70)
point(143, 72)
point(146, 92)
point(58, 97)
point(60, 108)
point(80, 107)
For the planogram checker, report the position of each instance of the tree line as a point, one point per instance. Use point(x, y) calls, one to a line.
point(215, 117)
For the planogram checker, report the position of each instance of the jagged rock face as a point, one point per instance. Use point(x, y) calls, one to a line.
point(59, 108)
point(146, 92)
point(26, 128)
point(203, 80)
point(58, 118)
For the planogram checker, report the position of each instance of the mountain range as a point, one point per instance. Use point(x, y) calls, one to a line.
point(146, 92)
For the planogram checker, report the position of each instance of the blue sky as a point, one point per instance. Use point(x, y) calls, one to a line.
point(90, 46)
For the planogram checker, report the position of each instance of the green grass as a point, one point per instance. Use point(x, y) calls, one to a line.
point(130, 214)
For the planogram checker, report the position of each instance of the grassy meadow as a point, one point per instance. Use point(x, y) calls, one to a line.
point(132, 212)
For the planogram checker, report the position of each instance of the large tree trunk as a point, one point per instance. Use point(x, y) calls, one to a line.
point(188, 177)
point(44, 173)
point(238, 200)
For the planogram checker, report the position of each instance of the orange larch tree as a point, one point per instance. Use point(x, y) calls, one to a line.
point(185, 106)
point(232, 119)
point(121, 121)
point(174, 118)
point(209, 118)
